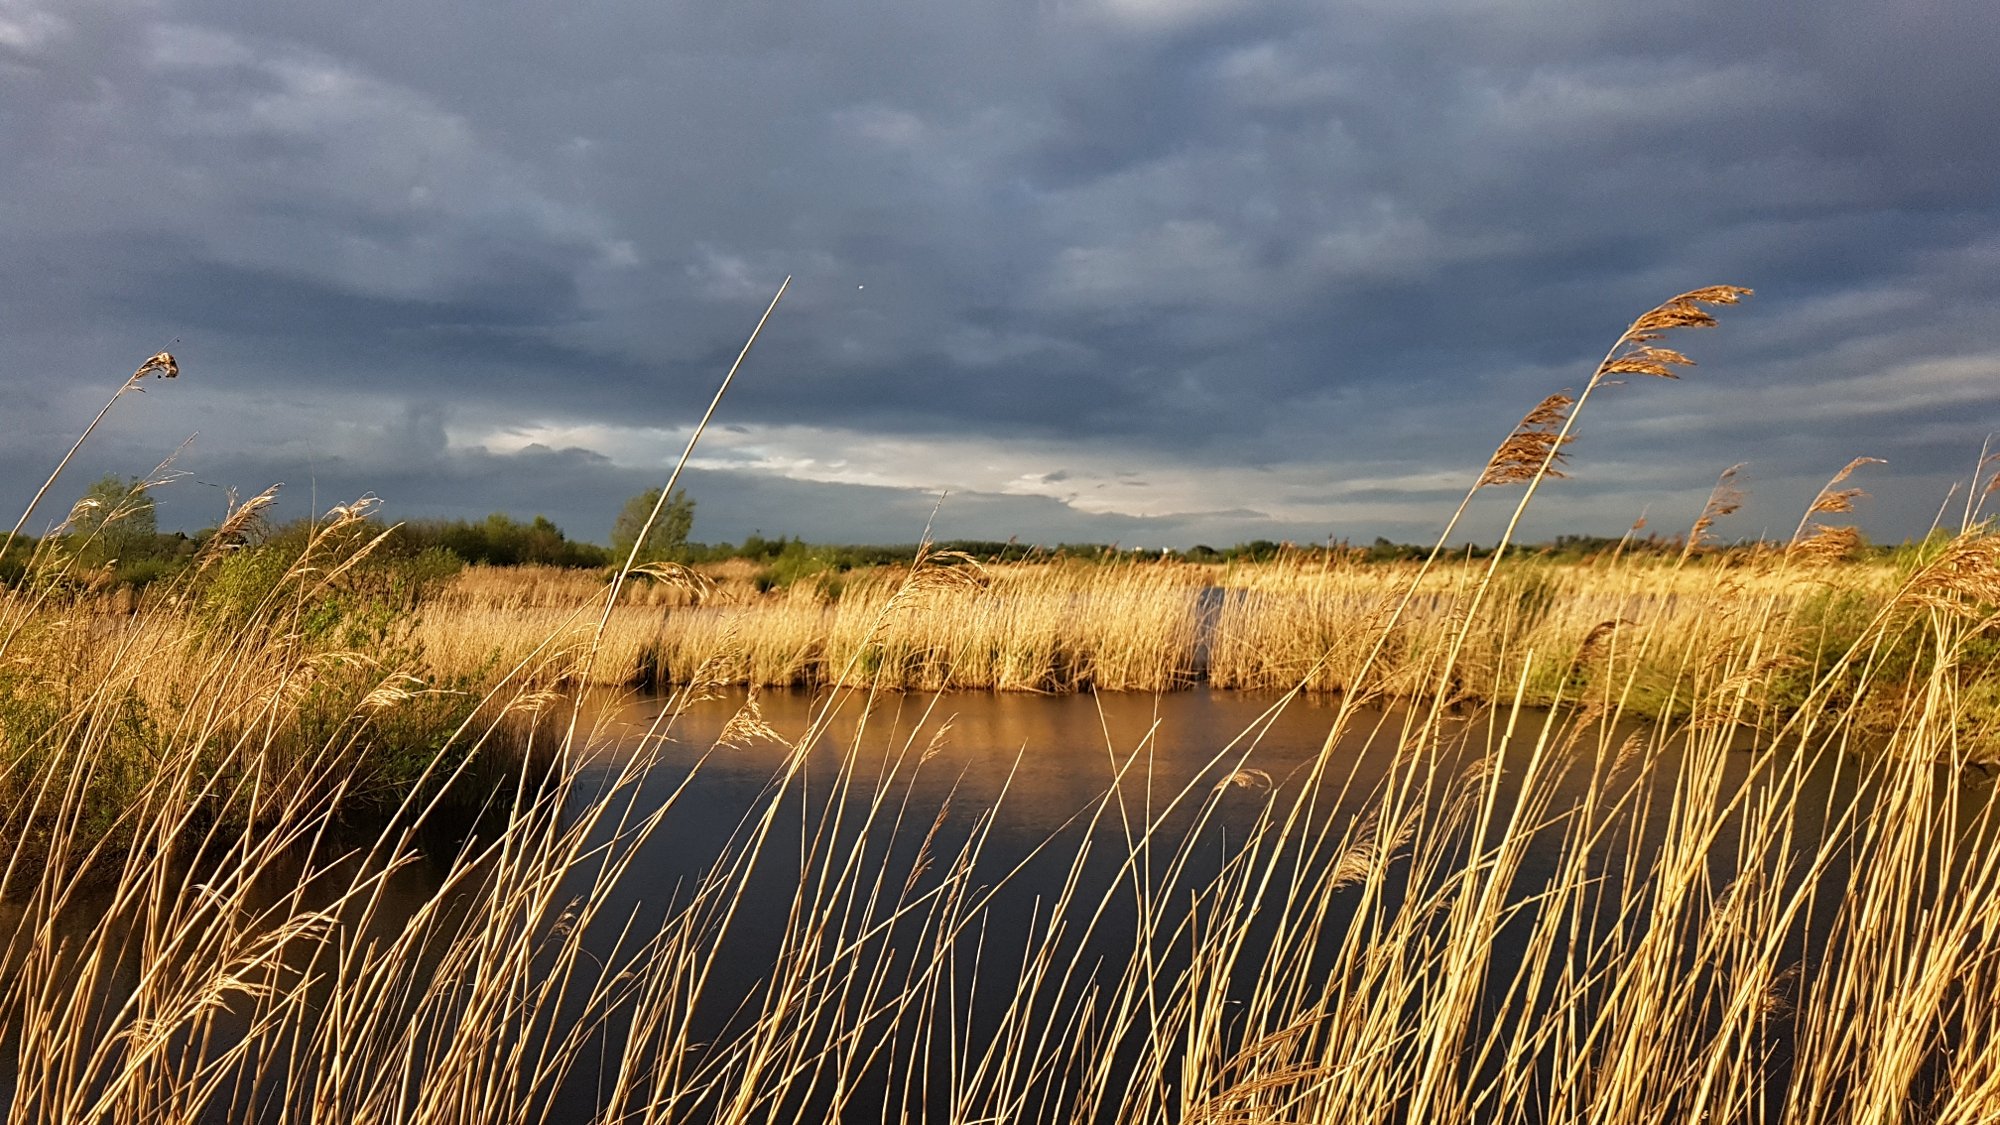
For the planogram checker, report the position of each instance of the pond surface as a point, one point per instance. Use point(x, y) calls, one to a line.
point(1050, 790)
point(1003, 855)
point(1054, 791)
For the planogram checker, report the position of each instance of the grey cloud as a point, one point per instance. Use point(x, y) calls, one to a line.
point(1221, 234)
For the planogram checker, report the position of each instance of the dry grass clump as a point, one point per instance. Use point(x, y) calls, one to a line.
point(258, 687)
point(1319, 625)
point(1019, 627)
point(481, 588)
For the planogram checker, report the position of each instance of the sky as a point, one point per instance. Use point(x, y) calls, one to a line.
point(1158, 272)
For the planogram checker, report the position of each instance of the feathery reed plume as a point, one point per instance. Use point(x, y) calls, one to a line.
point(1826, 544)
point(697, 584)
point(928, 582)
point(1534, 447)
point(1249, 777)
point(398, 688)
point(242, 521)
point(1831, 499)
point(964, 569)
point(80, 511)
point(1547, 427)
point(161, 364)
point(1975, 495)
point(1625, 540)
point(1632, 353)
point(938, 572)
point(1594, 641)
point(1830, 544)
point(747, 725)
point(940, 739)
point(1684, 311)
point(1366, 853)
point(91, 519)
point(1725, 499)
point(1964, 579)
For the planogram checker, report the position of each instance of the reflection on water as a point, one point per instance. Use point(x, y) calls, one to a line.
point(1001, 857)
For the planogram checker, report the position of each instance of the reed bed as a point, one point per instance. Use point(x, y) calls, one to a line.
point(962, 626)
point(1315, 624)
point(1305, 622)
point(1503, 916)
point(481, 587)
point(1012, 628)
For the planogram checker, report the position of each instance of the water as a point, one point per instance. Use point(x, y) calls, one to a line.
point(1052, 791)
point(1008, 859)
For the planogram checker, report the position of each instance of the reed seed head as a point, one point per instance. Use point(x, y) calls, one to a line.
point(1832, 499)
point(399, 688)
point(1595, 640)
point(1644, 359)
point(748, 726)
point(1826, 545)
point(1725, 499)
point(1962, 580)
point(1536, 442)
point(243, 521)
point(1246, 778)
point(161, 366)
point(1684, 311)
point(1637, 355)
point(696, 584)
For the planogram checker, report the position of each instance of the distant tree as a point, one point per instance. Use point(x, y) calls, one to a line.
point(669, 536)
point(1257, 550)
point(115, 520)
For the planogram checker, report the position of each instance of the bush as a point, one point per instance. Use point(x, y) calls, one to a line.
point(500, 540)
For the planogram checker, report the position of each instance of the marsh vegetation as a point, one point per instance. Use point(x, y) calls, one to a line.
point(317, 831)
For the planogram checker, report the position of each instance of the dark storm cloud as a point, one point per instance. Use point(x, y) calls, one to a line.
point(1186, 241)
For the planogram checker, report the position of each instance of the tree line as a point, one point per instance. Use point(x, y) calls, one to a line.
point(114, 526)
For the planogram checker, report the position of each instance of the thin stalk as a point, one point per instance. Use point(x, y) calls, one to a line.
point(632, 556)
point(161, 364)
point(1628, 354)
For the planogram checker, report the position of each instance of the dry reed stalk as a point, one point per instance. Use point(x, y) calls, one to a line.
point(1725, 499)
point(667, 490)
point(1634, 353)
point(159, 365)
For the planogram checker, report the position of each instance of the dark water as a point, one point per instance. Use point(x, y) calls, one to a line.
point(1054, 789)
point(1051, 799)
point(1057, 786)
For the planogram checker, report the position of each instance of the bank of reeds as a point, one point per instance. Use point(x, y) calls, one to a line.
point(1302, 621)
point(256, 684)
point(1425, 924)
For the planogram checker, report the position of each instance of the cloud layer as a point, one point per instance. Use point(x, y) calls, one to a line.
point(1157, 271)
